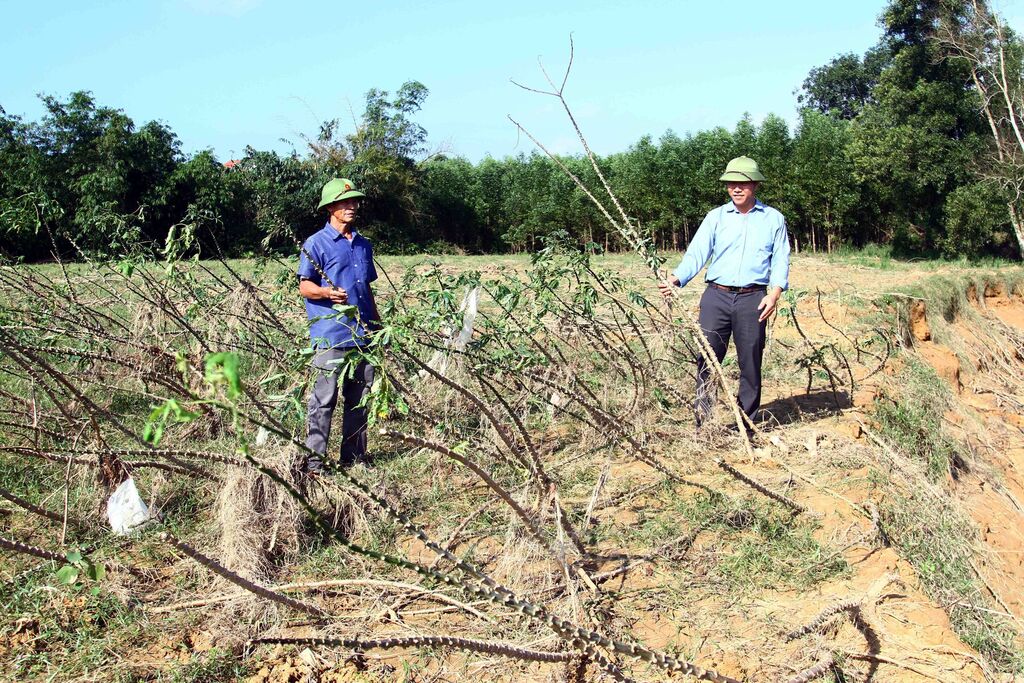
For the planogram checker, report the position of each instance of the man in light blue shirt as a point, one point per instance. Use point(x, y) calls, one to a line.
point(746, 248)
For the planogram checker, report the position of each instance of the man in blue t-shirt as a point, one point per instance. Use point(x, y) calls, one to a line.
point(336, 268)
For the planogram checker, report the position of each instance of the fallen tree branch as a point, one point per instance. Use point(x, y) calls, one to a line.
point(26, 549)
point(757, 486)
point(473, 645)
point(315, 585)
point(815, 672)
point(234, 578)
point(34, 509)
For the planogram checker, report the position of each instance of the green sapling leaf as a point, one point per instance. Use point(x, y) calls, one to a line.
point(96, 572)
point(126, 267)
point(222, 368)
point(67, 575)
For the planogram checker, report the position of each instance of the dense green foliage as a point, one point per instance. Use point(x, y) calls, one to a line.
point(890, 148)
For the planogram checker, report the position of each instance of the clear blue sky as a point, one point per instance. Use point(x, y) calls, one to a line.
point(226, 73)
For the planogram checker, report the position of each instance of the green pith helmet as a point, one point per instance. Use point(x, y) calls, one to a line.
point(742, 170)
point(336, 190)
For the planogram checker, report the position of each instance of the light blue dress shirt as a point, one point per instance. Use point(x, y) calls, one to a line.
point(744, 248)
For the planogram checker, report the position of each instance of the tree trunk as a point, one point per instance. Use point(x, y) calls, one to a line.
point(1018, 227)
point(828, 230)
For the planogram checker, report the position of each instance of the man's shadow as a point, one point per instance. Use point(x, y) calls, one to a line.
point(817, 405)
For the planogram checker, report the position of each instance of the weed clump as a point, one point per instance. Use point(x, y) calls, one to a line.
point(210, 667)
point(756, 545)
point(258, 522)
point(909, 414)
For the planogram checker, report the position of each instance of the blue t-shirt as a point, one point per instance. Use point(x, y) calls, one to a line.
point(349, 265)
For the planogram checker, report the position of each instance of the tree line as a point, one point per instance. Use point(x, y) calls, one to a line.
point(900, 146)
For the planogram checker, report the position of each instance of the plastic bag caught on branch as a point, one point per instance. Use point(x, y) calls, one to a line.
point(469, 304)
point(125, 508)
point(457, 340)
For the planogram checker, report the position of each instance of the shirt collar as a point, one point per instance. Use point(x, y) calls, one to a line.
point(335, 235)
point(758, 206)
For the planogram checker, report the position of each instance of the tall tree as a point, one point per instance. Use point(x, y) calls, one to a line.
point(640, 185)
point(744, 137)
point(980, 40)
point(914, 143)
point(822, 185)
point(385, 148)
point(90, 173)
point(447, 197)
point(26, 207)
point(843, 86)
point(711, 151)
point(678, 171)
point(772, 150)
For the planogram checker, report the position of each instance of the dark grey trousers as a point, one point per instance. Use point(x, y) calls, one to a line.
point(323, 400)
point(724, 314)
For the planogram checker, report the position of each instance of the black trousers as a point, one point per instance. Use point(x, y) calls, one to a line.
point(731, 314)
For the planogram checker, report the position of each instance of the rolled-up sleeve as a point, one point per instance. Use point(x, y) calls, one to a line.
point(780, 258)
point(698, 252)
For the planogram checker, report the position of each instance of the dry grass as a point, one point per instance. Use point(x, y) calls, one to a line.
point(259, 524)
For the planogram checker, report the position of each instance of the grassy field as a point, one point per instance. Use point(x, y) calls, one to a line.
point(541, 491)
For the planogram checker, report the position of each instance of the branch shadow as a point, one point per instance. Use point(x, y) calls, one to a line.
point(816, 405)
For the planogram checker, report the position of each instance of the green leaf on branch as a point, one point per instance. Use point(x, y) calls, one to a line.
point(126, 267)
point(181, 362)
point(68, 574)
point(347, 310)
point(170, 411)
point(222, 368)
point(401, 406)
point(95, 572)
point(77, 565)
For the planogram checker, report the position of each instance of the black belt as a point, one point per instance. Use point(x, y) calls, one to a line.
point(738, 290)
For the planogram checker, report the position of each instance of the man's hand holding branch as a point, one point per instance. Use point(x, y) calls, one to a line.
point(335, 294)
point(668, 286)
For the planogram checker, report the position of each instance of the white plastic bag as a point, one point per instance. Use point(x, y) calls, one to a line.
point(125, 508)
point(457, 339)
